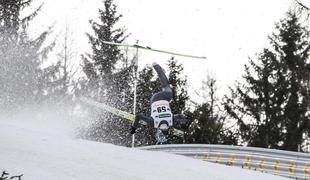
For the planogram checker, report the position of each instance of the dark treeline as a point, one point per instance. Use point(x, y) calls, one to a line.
point(268, 108)
point(271, 105)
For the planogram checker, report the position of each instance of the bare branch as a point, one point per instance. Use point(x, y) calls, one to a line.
point(302, 5)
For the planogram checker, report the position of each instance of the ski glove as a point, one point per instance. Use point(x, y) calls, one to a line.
point(133, 130)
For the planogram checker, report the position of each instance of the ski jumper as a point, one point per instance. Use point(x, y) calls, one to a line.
point(160, 108)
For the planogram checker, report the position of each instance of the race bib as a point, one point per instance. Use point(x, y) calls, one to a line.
point(161, 111)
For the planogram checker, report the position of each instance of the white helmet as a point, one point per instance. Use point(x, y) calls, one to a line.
point(163, 127)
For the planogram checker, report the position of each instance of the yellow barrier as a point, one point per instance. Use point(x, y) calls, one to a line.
point(218, 158)
point(247, 162)
point(232, 159)
point(307, 170)
point(261, 164)
point(276, 166)
point(283, 163)
point(206, 156)
point(291, 168)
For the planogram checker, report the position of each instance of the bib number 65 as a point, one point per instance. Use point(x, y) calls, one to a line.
point(161, 109)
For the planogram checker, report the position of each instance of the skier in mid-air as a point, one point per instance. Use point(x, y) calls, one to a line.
point(161, 116)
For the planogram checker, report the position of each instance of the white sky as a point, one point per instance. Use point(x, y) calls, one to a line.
point(226, 32)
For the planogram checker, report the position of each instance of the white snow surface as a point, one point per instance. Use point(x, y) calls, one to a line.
point(42, 153)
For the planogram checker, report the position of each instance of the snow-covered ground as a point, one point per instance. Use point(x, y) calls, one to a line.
point(42, 153)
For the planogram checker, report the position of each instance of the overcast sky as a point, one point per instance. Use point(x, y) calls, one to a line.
point(227, 32)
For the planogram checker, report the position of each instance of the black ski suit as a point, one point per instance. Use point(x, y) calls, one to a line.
point(160, 102)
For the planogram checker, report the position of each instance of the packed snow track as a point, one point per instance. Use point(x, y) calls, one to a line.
point(45, 153)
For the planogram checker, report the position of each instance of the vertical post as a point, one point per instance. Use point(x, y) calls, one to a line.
point(135, 93)
point(299, 145)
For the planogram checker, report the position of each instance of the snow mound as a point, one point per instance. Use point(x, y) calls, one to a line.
point(39, 154)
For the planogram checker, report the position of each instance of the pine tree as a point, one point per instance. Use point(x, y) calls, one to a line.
point(21, 78)
point(207, 123)
point(107, 81)
point(271, 105)
point(65, 60)
point(204, 127)
point(179, 86)
point(60, 86)
point(294, 41)
point(100, 65)
point(147, 86)
point(180, 95)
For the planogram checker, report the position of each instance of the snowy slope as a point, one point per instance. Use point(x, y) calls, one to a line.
point(44, 154)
